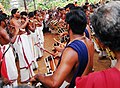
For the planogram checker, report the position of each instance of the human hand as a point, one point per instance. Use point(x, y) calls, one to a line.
point(27, 20)
point(6, 81)
point(35, 78)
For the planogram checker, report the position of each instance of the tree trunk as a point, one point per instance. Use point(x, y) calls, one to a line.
point(86, 0)
point(25, 5)
point(34, 4)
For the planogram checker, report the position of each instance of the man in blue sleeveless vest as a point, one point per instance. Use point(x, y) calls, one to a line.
point(77, 57)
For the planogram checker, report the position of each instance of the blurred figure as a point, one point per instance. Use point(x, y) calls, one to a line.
point(106, 24)
point(8, 69)
point(77, 57)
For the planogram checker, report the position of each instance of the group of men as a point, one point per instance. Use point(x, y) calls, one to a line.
point(21, 35)
point(77, 57)
point(25, 35)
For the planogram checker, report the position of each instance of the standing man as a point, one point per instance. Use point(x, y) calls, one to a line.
point(22, 46)
point(77, 57)
point(106, 24)
point(8, 69)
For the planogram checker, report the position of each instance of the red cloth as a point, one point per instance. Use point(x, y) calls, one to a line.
point(109, 78)
point(3, 70)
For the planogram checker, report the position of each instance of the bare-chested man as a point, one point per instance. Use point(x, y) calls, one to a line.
point(32, 37)
point(22, 46)
point(8, 69)
point(4, 37)
point(39, 32)
point(77, 57)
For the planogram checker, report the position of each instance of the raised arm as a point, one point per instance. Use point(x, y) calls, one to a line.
point(68, 61)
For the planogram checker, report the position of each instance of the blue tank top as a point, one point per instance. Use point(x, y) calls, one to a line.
point(82, 51)
point(87, 33)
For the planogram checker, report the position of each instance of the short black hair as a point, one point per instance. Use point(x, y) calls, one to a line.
point(85, 7)
point(23, 13)
point(77, 21)
point(77, 8)
point(31, 14)
point(86, 3)
point(70, 6)
point(1, 11)
point(35, 12)
point(14, 11)
point(3, 16)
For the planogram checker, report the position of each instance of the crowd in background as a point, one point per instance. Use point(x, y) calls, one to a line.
point(22, 38)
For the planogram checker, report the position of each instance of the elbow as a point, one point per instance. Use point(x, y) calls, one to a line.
point(12, 41)
point(51, 85)
point(55, 85)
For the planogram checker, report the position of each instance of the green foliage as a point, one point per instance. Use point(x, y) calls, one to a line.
point(59, 3)
point(44, 4)
point(5, 3)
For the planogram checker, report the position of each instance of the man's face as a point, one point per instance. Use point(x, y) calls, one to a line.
point(67, 10)
point(37, 13)
point(17, 14)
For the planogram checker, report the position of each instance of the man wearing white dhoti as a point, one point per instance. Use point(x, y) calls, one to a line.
point(32, 36)
point(8, 68)
point(39, 32)
point(22, 46)
point(11, 69)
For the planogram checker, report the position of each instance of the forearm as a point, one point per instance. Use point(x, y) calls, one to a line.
point(24, 25)
point(13, 38)
point(48, 81)
point(31, 28)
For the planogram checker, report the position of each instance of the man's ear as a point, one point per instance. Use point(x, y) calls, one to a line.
point(68, 26)
point(1, 22)
point(14, 15)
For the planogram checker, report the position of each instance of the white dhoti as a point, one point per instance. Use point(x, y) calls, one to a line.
point(25, 56)
point(32, 42)
point(40, 40)
point(10, 66)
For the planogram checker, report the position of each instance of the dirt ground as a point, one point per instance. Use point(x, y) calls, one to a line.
point(48, 44)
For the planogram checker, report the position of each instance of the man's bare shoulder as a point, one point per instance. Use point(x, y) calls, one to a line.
point(70, 55)
point(11, 21)
point(2, 31)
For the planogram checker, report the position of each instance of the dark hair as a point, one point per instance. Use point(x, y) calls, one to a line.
point(31, 14)
point(85, 7)
point(106, 24)
point(23, 13)
point(3, 16)
point(77, 8)
point(93, 6)
point(77, 21)
point(35, 12)
point(70, 6)
point(87, 3)
point(1, 11)
point(14, 11)
point(106, 1)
